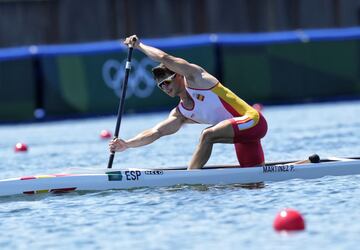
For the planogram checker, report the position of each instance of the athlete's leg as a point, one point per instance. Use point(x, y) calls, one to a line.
point(250, 153)
point(238, 130)
point(247, 142)
point(220, 133)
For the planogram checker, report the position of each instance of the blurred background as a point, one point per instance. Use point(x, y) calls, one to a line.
point(24, 22)
point(63, 58)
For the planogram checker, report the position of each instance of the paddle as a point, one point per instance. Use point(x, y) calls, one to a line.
point(122, 100)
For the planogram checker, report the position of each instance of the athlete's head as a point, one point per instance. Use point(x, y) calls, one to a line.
point(161, 74)
point(165, 79)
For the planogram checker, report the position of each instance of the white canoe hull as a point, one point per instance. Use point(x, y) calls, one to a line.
point(135, 178)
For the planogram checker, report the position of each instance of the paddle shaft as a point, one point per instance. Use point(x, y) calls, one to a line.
point(121, 104)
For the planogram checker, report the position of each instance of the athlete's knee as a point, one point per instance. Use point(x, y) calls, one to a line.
point(207, 135)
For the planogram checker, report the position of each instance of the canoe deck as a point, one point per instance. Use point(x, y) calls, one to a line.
point(158, 177)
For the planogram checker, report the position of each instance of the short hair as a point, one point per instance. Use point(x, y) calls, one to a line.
point(161, 72)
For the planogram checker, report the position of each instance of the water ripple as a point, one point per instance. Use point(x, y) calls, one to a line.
point(183, 216)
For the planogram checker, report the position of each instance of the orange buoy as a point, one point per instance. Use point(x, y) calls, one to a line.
point(21, 147)
point(289, 220)
point(105, 134)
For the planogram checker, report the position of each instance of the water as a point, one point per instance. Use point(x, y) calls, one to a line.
point(182, 217)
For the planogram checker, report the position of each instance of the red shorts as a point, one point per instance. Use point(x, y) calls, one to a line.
point(247, 140)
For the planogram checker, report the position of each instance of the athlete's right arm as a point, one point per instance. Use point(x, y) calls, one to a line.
point(167, 127)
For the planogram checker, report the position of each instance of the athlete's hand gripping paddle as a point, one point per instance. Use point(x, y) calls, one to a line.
point(122, 98)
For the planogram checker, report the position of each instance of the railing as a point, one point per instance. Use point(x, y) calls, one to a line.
point(84, 79)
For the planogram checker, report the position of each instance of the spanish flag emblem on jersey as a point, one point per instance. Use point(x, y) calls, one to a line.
point(200, 97)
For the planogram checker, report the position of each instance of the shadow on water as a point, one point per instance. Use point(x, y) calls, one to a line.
point(144, 190)
point(40, 196)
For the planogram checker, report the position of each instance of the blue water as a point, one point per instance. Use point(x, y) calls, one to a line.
point(182, 217)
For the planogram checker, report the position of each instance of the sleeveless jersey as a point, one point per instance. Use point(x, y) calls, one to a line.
point(217, 104)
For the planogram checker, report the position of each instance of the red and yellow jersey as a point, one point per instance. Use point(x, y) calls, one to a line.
point(217, 104)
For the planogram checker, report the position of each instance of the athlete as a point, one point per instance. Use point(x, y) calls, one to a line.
point(203, 99)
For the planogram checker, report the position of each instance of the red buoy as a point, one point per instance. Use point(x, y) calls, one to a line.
point(289, 220)
point(21, 147)
point(258, 106)
point(105, 134)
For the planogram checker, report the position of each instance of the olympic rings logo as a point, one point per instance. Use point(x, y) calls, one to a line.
point(140, 84)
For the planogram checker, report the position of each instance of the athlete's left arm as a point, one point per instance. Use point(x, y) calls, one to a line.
point(195, 75)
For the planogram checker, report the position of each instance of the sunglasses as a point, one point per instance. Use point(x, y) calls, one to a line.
point(166, 82)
